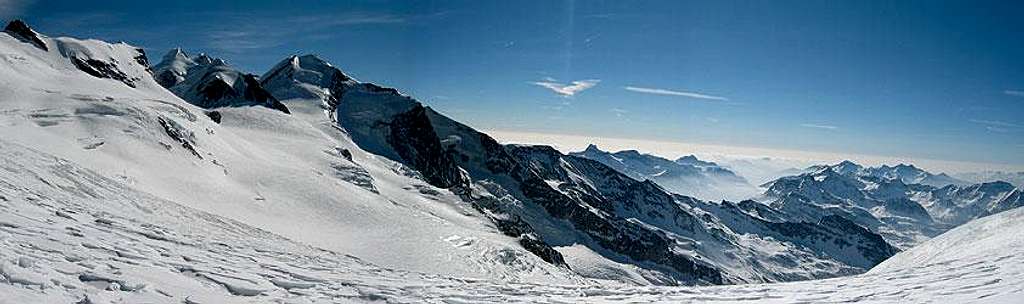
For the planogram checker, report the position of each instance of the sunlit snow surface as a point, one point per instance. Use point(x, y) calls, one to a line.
point(68, 233)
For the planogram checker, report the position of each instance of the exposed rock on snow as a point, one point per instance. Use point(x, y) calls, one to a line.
point(18, 29)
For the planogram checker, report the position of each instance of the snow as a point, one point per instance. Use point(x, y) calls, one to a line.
point(117, 245)
point(100, 204)
point(280, 173)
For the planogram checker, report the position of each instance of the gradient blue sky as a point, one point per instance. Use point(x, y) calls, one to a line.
point(920, 79)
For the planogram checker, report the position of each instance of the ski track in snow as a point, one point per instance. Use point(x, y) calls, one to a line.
point(70, 234)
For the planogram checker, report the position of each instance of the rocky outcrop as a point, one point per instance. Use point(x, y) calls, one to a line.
point(18, 29)
point(412, 136)
point(102, 69)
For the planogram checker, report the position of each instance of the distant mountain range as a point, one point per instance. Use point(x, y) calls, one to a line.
point(880, 198)
point(686, 175)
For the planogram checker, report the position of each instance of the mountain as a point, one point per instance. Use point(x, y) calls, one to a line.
point(1015, 178)
point(959, 204)
point(879, 199)
point(600, 222)
point(72, 235)
point(116, 190)
point(211, 83)
point(297, 176)
point(907, 174)
point(686, 175)
point(362, 169)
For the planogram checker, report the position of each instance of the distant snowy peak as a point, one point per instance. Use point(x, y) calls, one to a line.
point(308, 77)
point(908, 174)
point(211, 82)
point(173, 67)
point(693, 161)
point(959, 204)
point(686, 175)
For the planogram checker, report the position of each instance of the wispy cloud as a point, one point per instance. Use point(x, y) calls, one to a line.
point(1014, 93)
point(996, 123)
point(996, 129)
point(817, 126)
point(261, 31)
point(618, 112)
point(675, 93)
point(567, 90)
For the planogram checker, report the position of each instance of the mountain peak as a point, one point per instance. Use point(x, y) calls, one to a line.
point(307, 76)
point(593, 149)
point(847, 167)
point(20, 30)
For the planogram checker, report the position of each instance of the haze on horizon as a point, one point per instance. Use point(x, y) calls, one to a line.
point(937, 86)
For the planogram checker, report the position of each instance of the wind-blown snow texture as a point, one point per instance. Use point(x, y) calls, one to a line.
point(115, 190)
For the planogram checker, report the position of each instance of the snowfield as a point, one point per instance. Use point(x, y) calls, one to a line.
point(70, 235)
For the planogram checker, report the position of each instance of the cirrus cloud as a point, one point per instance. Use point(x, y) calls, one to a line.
point(818, 126)
point(567, 90)
point(1015, 93)
point(674, 93)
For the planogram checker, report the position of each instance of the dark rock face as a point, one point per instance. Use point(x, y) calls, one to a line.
point(833, 235)
point(413, 138)
point(606, 228)
point(103, 69)
point(141, 59)
point(214, 115)
point(872, 245)
point(20, 30)
point(216, 90)
point(166, 78)
point(255, 92)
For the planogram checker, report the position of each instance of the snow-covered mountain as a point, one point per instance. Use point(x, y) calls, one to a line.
point(880, 199)
point(478, 209)
point(296, 175)
point(908, 174)
point(1015, 178)
point(565, 209)
point(211, 83)
point(686, 175)
point(117, 190)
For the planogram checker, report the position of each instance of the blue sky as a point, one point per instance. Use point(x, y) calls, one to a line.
point(936, 80)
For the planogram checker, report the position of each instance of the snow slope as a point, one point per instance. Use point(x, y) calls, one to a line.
point(288, 174)
point(70, 235)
